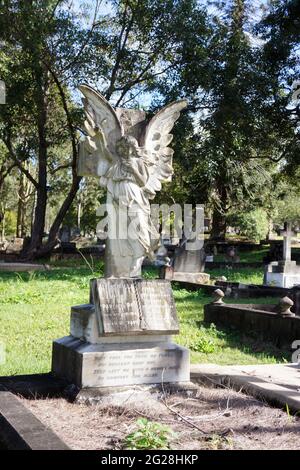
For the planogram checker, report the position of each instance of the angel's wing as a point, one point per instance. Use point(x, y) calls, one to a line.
point(156, 140)
point(101, 118)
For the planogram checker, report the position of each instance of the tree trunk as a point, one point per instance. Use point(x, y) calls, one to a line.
point(19, 218)
point(218, 231)
point(2, 222)
point(45, 250)
point(20, 232)
point(41, 197)
point(219, 224)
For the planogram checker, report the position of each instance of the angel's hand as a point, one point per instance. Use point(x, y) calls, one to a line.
point(127, 165)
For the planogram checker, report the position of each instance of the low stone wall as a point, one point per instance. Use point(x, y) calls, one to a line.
point(21, 430)
point(251, 318)
point(240, 245)
point(23, 267)
point(233, 289)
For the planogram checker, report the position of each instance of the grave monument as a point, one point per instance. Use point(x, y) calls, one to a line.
point(187, 265)
point(283, 273)
point(123, 335)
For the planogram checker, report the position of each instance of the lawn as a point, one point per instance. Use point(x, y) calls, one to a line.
point(35, 309)
point(243, 275)
point(253, 256)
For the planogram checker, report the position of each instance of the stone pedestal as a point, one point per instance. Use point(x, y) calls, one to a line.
point(123, 337)
point(116, 364)
point(282, 274)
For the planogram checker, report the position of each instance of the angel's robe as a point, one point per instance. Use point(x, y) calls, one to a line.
point(124, 185)
point(135, 234)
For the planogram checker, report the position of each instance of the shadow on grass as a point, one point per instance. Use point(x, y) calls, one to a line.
point(250, 343)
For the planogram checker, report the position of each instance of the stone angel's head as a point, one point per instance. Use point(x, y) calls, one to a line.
point(128, 147)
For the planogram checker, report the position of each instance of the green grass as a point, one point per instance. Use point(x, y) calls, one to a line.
point(253, 256)
point(243, 275)
point(35, 309)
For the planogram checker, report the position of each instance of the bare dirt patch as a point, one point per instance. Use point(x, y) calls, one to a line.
point(205, 418)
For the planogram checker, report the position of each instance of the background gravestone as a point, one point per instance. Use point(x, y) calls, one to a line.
point(15, 246)
point(284, 273)
point(188, 265)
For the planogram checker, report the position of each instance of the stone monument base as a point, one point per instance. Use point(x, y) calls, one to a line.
point(195, 278)
point(118, 364)
point(282, 274)
point(122, 337)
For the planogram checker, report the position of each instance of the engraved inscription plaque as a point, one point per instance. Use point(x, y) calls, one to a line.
point(134, 306)
point(149, 365)
point(109, 365)
point(157, 305)
point(116, 305)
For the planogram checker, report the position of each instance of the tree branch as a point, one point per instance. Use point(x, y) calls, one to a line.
point(68, 116)
point(140, 79)
point(60, 167)
point(88, 37)
point(121, 46)
point(17, 162)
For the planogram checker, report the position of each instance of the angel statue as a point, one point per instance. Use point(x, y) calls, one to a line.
point(132, 157)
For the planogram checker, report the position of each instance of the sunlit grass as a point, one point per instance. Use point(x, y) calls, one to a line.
point(243, 275)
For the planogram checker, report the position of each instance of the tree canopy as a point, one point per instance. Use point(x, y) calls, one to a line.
point(237, 63)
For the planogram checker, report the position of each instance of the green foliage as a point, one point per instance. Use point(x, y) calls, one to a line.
point(254, 224)
point(149, 435)
point(10, 221)
point(217, 442)
point(198, 339)
point(288, 209)
point(241, 120)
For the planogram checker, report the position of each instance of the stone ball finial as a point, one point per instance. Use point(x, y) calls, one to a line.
point(218, 295)
point(284, 307)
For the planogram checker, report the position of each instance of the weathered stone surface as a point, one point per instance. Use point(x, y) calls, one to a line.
point(84, 326)
point(264, 320)
point(106, 365)
point(134, 306)
point(23, 267)
point(277, 384)
point(119, 147)
point(189, 261)
point(21, 430)
point(285, 273)
point(144, 398)
point(282, 274)
point(195, 278)
point(84, 323)
point(15, 246)
point(133, 121)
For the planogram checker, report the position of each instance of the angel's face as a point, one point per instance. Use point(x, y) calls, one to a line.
point(127, 147)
